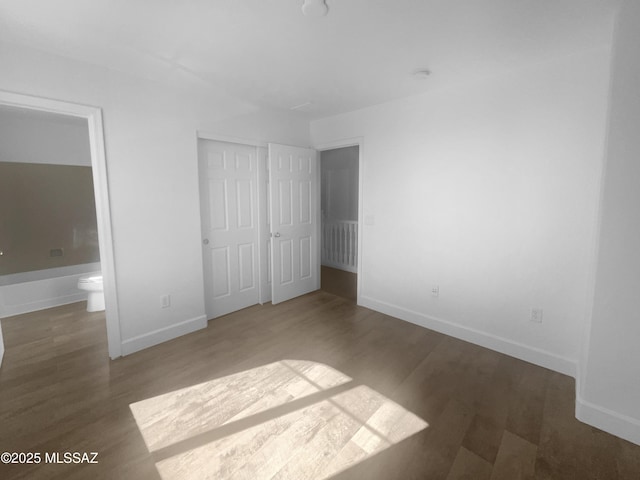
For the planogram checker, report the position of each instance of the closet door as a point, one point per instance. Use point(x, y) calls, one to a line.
point(229, 211)
point(294, 206)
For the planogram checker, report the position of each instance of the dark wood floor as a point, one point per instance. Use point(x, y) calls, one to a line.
point(339, 282)
point(482, 415)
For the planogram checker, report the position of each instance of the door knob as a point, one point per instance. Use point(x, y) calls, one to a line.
point(205, 241)
point(277, 234)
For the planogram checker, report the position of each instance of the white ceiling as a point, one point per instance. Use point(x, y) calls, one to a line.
point(267, 52)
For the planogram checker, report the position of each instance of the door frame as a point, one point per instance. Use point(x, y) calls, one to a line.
point(342, 143)
point(93, 115)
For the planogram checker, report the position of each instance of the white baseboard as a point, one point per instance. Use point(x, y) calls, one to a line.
point(612, 422)
point(508, 347)
point(11, 310)
point(600, 417)
point(165, 334)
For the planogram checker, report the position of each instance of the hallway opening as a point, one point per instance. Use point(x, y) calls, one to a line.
point(339, 172)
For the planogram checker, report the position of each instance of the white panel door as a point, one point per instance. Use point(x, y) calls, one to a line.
point(294, 206)
point(228, 177)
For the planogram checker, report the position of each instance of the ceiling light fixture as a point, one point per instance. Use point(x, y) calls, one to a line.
point(315, 8)
point(422, 74)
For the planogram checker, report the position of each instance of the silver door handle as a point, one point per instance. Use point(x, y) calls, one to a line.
point(277, 234)
point(205, 241)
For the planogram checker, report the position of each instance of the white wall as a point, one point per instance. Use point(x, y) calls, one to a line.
point(150, 135)
point(489, 191)
point(262, 127)
point(28, 136)
point(339, 183)
point(609, 390)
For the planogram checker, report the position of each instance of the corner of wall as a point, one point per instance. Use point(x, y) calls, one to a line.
point(597, 415)
point(607, 420)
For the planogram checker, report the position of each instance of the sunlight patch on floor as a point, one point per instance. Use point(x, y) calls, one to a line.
point(291, 419)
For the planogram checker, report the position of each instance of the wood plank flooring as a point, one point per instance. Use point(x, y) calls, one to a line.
point(316, 387)
point(339, 282)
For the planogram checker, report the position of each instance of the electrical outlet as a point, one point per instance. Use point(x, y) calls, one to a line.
point(435, 291)
point(165, 301)
point(536, 315)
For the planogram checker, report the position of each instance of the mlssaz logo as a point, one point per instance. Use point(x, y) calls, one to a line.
point(71, 457)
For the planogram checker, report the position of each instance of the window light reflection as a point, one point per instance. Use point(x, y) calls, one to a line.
point(290, 419)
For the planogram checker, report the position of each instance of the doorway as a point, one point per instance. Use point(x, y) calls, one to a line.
point(340, 199)
point(92, 118)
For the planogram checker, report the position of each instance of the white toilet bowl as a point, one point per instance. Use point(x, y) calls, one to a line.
point(93, 285)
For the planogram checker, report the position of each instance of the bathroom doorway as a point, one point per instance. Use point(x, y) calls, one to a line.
point(340, 206)
point(87, 121)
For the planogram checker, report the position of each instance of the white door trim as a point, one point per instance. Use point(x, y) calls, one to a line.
point(101, 191)
point(352, 142)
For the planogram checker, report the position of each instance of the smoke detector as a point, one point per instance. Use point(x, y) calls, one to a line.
point(315, 8)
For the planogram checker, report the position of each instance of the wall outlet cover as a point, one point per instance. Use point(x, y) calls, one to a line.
point(165, 301)
point(536, 315)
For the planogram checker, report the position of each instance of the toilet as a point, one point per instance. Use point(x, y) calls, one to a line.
point(93, 285)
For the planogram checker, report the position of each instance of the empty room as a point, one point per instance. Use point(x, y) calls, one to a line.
point(320, 239)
